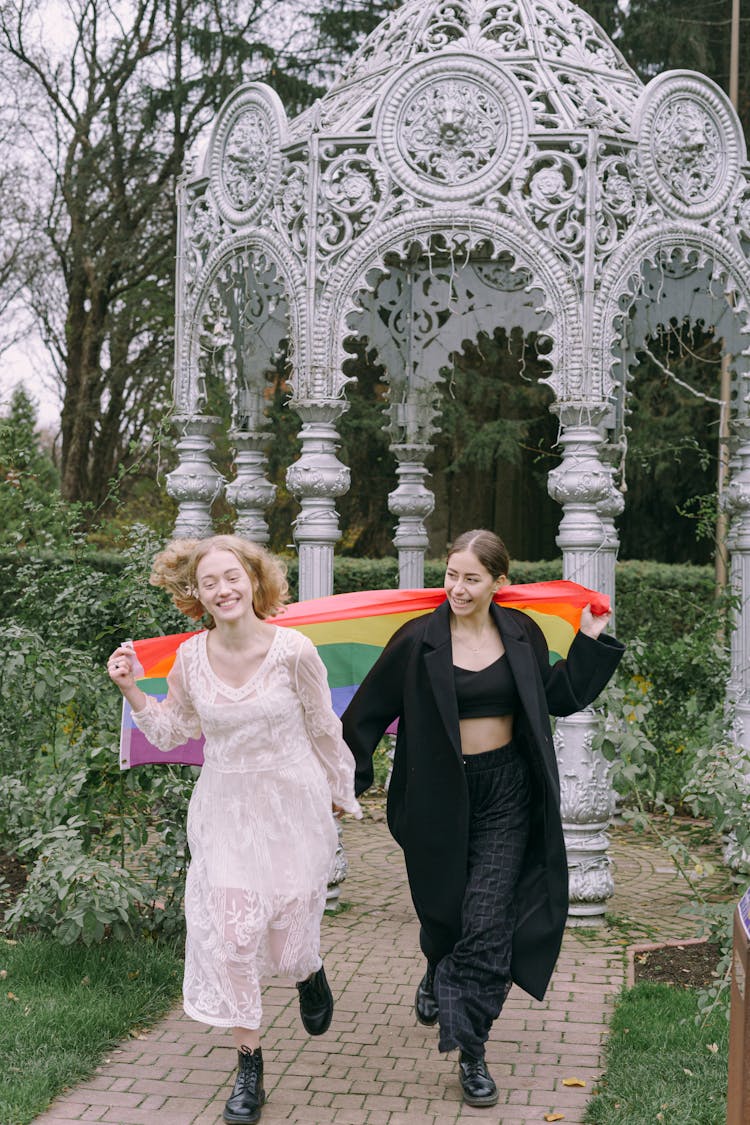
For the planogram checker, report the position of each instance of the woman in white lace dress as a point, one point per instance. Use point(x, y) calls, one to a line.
point(261, 831)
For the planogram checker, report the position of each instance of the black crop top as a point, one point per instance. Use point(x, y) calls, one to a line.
point(491, 691)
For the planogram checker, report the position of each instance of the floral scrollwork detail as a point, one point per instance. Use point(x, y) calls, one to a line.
point(552, 195)
point(203, 230)
point(291, 205)
point(354, 190)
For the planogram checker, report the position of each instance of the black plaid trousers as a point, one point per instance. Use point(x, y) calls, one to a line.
point(473, 981)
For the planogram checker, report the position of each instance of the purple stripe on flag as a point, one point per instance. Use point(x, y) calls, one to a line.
point(142, 751)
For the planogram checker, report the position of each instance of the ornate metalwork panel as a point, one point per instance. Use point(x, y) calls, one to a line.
point(690, 144)
point(451, 134)
point(245, 153)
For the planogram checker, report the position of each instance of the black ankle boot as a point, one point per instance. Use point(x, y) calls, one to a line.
point(425, 1004)
point(477, 1084)
point(243, 1104)
point(315, 1003)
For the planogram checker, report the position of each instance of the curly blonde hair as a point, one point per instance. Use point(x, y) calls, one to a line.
point(175, 568)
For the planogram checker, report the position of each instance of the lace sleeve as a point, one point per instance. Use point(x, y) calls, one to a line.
point(324, 727)
point(174, 720)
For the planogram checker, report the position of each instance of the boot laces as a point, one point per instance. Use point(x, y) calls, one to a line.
point(309, 989)
point(474, 1068)
point(249, 1073)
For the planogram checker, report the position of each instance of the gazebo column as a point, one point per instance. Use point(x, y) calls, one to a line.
point(737, 501)
point(609, 508)
point(729, 498)
point(412, 502)
point(581, 484)
point(195, 483)
point(251, 493)
point(316, 480)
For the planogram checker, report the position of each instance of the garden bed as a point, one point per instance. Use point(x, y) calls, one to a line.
point(686, 964)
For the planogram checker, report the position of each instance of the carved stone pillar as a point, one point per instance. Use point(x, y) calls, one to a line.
point(412, 502)
point(315, 480)
point(587, 804)
point(195, 483)
point(581, 484)
point(251, 492)
point(737, 502)
point(338, 873)
point(608, 509)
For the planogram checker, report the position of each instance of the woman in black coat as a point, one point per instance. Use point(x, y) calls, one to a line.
point(474, 797)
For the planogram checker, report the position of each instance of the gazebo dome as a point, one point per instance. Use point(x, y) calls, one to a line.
point(573, 74)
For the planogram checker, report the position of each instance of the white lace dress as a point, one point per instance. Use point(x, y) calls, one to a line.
point(260, 828)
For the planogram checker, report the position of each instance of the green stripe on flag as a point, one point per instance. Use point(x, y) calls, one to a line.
point(348, 664)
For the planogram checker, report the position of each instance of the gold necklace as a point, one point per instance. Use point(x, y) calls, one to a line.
point(457, 637)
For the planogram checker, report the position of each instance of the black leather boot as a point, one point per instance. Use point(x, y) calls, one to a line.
point(425, 1004)
point(243, 1104)
point(315, 1003)
point(477, 1084)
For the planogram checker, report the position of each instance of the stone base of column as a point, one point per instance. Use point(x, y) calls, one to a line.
point(586, 803)
point(590, 874)
point(339, 871)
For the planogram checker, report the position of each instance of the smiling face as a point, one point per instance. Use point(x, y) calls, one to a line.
point(469, 585)
point(224, 586)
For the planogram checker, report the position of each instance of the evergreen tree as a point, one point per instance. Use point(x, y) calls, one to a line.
point(30, 510)
point(673, 442)
point(340, 26)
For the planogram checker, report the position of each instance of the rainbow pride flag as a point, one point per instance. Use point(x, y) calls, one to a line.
point(350, 631)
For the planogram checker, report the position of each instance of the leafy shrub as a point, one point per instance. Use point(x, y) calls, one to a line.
point(106, 850)
point(667, 701)
point(73, 895)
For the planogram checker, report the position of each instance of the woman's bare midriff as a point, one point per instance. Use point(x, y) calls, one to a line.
point(479, 735)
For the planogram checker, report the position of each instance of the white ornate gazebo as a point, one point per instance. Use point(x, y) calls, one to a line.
point(478, 164)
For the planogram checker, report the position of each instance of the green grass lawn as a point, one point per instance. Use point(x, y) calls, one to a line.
point(62, 1008)
point(661, 1066)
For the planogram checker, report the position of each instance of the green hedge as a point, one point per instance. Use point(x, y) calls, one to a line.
point(648, 594)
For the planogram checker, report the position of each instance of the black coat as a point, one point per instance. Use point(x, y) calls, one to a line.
point(428, 808)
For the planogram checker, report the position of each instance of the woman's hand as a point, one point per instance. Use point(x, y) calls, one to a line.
point(593, 624)
point(120, 668)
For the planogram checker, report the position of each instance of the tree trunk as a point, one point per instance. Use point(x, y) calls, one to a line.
point(85, 333)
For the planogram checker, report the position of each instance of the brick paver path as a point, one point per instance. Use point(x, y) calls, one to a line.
point(377, 1066)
